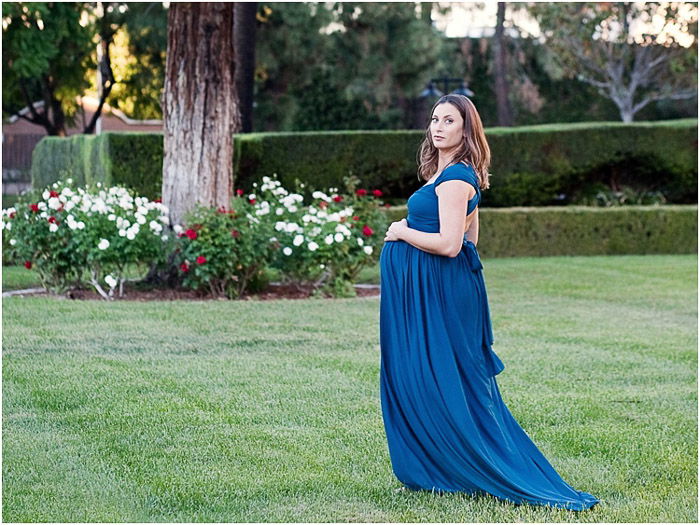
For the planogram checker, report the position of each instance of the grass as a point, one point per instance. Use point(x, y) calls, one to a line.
point(269, 411)
point(20, 278)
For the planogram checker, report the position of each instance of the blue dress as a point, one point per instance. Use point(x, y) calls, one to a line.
point(447, 427)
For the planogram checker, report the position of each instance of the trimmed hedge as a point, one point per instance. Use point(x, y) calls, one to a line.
point(583, 230)
point(132, 159)
point(531, 166)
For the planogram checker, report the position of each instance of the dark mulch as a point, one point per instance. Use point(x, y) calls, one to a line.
point(135, 293)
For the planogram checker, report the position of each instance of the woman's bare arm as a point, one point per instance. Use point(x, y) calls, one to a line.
point(452, 203)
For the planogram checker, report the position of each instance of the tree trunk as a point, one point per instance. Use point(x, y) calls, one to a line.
point(505, 115)
point(200, 110)
point(245, 21)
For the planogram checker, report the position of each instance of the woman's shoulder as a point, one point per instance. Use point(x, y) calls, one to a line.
point(460, 170)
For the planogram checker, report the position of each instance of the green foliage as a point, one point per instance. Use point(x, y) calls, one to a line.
point(370, 70)
point(138, 91)
point(45, 50)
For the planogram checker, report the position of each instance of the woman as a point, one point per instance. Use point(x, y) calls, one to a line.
point(446, 424)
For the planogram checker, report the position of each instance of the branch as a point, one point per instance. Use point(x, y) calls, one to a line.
point(661, 96)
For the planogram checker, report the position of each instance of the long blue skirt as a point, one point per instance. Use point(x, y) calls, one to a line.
point(447, 427)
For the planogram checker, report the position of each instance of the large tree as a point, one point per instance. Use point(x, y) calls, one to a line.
point(602, 45)
point(200, 107)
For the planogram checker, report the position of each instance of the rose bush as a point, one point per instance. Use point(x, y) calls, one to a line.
point(224, 251)
point(324, 244)
point(76, 235)
point(327, 242)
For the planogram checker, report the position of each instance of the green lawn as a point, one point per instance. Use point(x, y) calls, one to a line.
point(269, 411)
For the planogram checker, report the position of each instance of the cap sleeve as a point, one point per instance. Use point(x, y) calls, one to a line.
point(460, 172)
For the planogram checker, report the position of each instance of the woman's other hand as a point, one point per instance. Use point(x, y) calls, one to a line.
point(396, 230)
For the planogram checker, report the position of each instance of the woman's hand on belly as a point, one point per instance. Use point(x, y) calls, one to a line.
point(393, 233)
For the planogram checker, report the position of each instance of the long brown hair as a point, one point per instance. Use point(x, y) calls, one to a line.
point(474, 149)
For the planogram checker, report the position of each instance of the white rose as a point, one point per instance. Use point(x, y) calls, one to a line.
point(45, 195)
point(339, 237)
point(368, 250)
point(287, 250)
point(13, 242)
point(279, 211)
point(329, 239)
point(360, 241)
point(111, 281)
point(298, 240)
point(53, 227)
point(104, 244)
point(140, 219)
point(130, 235)
point(313, 246)
point(122, 233)
point(111, 217)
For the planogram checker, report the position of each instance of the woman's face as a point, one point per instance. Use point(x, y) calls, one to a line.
point(446, 127)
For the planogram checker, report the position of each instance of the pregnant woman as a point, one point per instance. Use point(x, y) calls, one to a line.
point(447, 427)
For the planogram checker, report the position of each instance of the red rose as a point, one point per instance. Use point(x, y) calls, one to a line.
point(184, 267)
point(52, 219)
point(377, 193)
point(53, 193)
point(12, 215)
point(201, 259)
point(221, 209)
point(191, 234)
point(28, 264)
point(338, 198)
point(239, 192)
point(361, 192)
point(355, 217)
point(158, 200)
point(252, 201)
point(366, 230)
point(235, 234)
point(34, 207)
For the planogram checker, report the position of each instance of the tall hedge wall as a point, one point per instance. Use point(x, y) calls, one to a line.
point(531, 165)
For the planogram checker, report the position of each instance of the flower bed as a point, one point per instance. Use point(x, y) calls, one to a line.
point(74, 236)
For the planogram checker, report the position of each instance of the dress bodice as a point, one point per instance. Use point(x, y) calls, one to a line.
point(423, 209)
